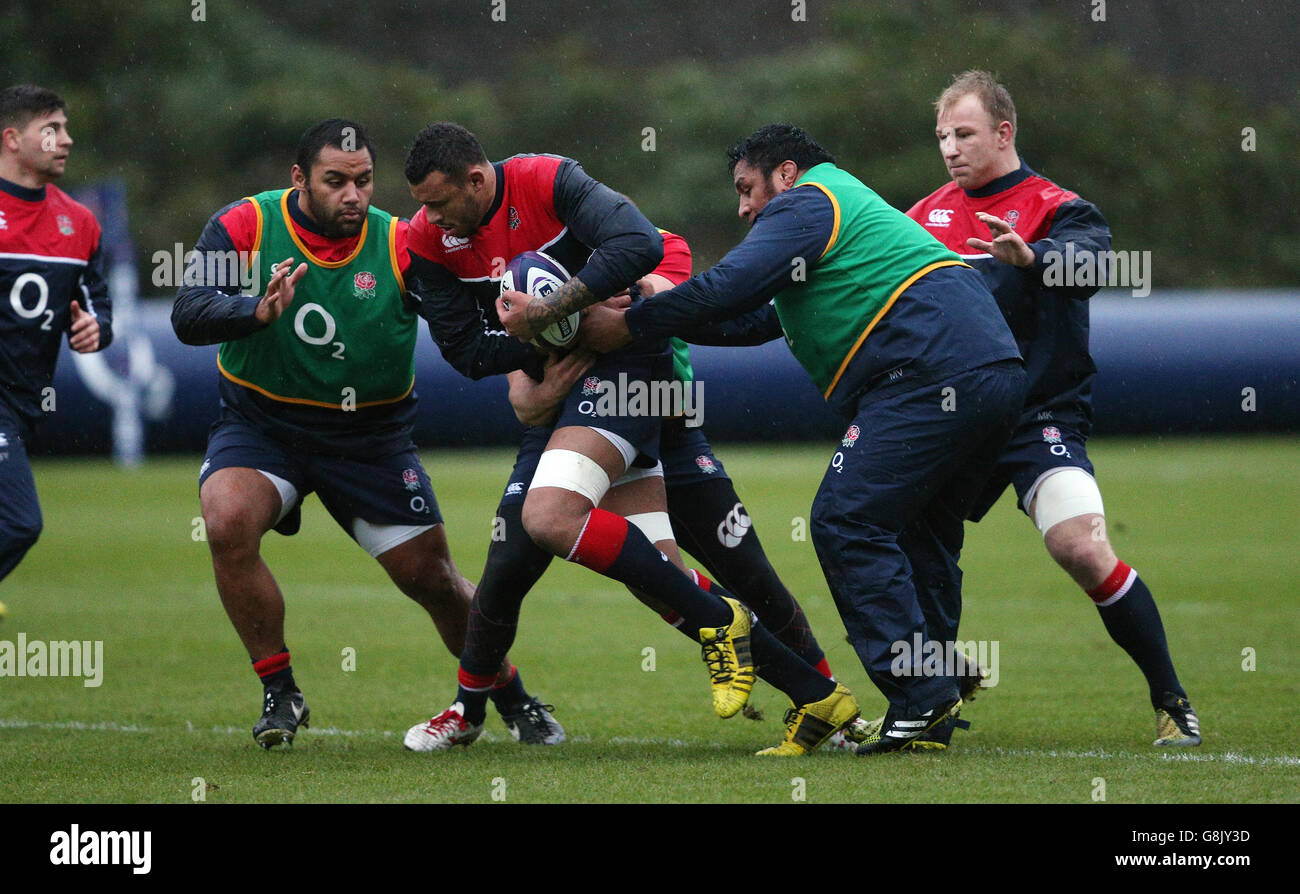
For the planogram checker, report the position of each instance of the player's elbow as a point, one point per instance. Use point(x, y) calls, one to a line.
point(183, 323)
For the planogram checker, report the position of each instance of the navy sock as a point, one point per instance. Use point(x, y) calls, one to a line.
point(612, 547)
point(508, 696)
point(785, 670)
point(1133, 622)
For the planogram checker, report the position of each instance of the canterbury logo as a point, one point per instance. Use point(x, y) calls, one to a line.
point(940, 217)
point(454, 243)
point(734, 527)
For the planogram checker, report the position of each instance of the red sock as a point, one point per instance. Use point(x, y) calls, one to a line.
point(504, 680)
point(275, 671)
point(1113, 588)
point(475, 682)
point(600, 542)
point(273, 664)
point(701, 581)
point(823, 668)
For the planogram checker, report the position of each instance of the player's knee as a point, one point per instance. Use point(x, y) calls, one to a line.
point(547, 525)
point(439, 578)
point(230, 531)
point(1083, 556)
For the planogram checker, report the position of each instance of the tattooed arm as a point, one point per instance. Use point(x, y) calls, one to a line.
point(625, 247)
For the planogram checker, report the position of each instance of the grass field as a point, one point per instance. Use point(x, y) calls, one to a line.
point(1210, 524)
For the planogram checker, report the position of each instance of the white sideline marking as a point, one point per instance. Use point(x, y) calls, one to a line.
point(1230, 757)
point(104, 726)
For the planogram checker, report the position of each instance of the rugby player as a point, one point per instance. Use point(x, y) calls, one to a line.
point(51, 269)
point(476, 216)
point(316, 374)
point(707, 516)
point(906, 342)
point(1011, 224)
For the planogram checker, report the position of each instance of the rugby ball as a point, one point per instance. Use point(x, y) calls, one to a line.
point(539, 274)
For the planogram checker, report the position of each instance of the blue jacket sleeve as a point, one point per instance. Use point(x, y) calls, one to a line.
point(625, 245)
point(94, 290)
point(1078, 222)
point(206, 314)
point(794, 226)
point(757, 327)
point(461, 328)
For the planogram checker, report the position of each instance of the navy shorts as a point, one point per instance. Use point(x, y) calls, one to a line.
point(685, 453)
point(530, 452)
point(687, 456)
point(387, 489)
point(614, 396)
point(1035, 449)
point(20, 513)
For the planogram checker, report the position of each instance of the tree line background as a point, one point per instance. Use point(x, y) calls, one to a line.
point(1142, 113)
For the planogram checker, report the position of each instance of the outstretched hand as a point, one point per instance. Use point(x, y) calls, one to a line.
point(1007, 245)
point(279, 291)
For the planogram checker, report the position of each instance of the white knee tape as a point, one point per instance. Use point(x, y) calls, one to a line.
point(572, 471)
point(1065, 494)
point(654, 525)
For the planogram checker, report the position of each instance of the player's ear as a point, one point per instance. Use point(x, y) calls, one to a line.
point(298, 177)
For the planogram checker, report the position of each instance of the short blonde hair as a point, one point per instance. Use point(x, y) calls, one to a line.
point(993, 96)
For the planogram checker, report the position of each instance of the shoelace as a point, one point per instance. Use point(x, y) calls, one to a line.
point(444, 721)
point(718, 662)
point(536, 712)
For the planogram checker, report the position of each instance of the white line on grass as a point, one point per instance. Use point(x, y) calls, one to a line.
point(1229, 757)
point(104, 726)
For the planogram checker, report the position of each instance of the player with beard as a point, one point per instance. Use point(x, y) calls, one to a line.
point(316, 384)
point(571, 491)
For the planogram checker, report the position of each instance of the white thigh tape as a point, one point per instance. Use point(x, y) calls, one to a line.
point(1065, 494)
point(379, 539)
point(636, 474)
point(288, 494)
point(621, 444)
point(572, 471)
point(654, 525)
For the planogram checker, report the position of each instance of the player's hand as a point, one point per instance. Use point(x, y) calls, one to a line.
point(604, 329)
point(1007, 246)
point(538, 403)
point(83, 334)
point(279, 291)
point(621, 301)
point(653, 284)
point(512, 310)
